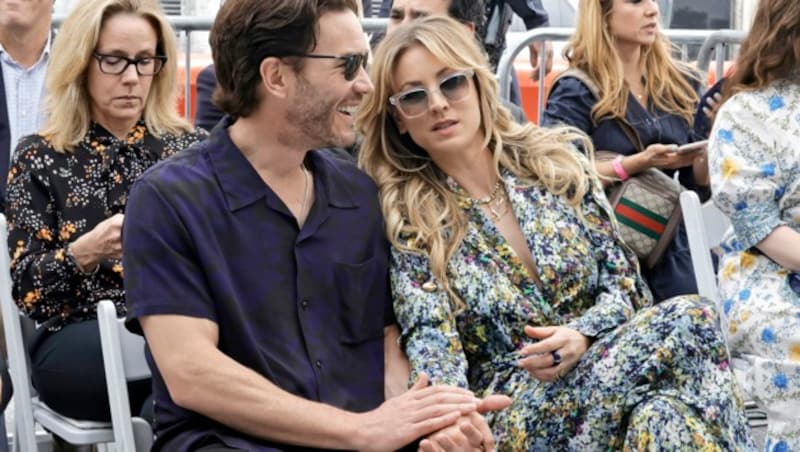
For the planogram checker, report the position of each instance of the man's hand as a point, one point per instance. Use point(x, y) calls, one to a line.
point(414, 414)
point(538, 358)
point(534, 50)
point(470, 433)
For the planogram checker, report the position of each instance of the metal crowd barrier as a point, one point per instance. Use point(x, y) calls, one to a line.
point(711, 41)
point(716, 43)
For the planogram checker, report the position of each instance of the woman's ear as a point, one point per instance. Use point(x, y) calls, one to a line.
point(398, 120)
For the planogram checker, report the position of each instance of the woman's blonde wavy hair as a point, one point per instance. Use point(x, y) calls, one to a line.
point(592, 50)
point(771, 50)
point(67, 102)
point(421, 213)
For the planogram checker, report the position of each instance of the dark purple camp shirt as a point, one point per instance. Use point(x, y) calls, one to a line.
point(205, 237)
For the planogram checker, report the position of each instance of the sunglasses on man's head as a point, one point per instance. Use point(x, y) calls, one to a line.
point(352, 62)
point(416, 101)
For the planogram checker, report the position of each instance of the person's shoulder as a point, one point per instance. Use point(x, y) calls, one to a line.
point(576, 82)
point(36, 147)
point(342, 169)
point(188, 165)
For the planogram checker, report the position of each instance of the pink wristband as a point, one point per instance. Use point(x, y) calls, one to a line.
point(618, 168)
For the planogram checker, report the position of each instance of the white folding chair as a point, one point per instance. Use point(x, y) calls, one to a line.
point(28, 409)
point(705, 226)
point(124, 360)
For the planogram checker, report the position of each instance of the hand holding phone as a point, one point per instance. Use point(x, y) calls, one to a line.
point(692, 147)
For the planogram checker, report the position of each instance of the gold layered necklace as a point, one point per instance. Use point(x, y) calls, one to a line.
point(496, 202)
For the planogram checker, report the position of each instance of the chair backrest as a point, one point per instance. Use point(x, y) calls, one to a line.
point(25, 437)
point(123, 360)
point(705, 226)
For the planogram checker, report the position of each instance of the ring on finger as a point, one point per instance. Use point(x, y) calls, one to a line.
point(556, 358)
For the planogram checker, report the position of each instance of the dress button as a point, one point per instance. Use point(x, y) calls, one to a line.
point(318, 363)
point(304, 304)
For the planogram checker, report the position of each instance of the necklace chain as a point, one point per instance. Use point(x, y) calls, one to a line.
point(305, 189)
point(495, 202)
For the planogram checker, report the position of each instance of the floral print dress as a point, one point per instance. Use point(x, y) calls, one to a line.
point(656, 378)
point(54, 198)
point(754, 160)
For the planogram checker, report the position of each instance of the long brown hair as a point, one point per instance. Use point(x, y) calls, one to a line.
point(771, 50)
point(592, 50)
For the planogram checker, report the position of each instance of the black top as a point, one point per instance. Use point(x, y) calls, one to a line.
point(54, 198)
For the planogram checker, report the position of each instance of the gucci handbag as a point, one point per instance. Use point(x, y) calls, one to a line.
point(647, 205)
point(648, 211)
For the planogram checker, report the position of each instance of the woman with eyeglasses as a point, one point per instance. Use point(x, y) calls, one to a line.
point(111, 115)
point(508, 273)
point(754, 160)
point(641, 109)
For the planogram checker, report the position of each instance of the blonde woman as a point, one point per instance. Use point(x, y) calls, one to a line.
point(645, 110)
point(111, 110)
point(508, 274)
point(754, 161)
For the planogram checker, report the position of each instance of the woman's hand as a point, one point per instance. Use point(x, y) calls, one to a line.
point(539, 358)
point(101, 243)
point(664, 156)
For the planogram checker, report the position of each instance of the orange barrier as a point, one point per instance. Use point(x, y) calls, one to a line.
point(192, 88)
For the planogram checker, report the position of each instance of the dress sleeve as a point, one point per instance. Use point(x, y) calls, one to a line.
point(746, 176)
point(570, 103)
point(40, 271)
point(428, 332)
point(620, 288)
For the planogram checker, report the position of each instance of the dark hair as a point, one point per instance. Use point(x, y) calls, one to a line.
point(245, 32)
point(771, 49)
point(468, 11)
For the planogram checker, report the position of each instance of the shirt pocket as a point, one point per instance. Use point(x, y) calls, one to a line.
point(364, 295)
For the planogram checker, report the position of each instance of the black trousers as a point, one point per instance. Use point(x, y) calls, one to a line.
point(67, 371)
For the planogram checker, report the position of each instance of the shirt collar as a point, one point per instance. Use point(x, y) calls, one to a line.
point(43, 57)
point(242, 186)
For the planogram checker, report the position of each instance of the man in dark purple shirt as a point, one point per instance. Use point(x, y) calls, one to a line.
point(258, 270)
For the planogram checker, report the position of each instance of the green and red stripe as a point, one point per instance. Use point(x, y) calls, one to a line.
point(640, 218)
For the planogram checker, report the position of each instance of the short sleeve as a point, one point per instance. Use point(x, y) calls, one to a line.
point(746, 174)
point(570, 103)
point(162, 274)
point(428, 332)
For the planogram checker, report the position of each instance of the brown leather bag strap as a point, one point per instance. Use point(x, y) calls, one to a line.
point(589, 82)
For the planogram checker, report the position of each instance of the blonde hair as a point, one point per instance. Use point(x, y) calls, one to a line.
point(592, 50)
point(421, 214)
point(67, 102)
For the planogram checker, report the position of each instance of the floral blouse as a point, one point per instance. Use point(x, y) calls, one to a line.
point(590, 283)
point(54, 198)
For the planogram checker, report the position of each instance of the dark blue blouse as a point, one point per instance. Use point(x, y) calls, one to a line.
point(570, 102)
point(305, 307)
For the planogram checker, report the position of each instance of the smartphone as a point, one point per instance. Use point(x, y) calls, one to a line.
point(692, 147)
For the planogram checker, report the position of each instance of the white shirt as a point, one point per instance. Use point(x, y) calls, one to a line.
point(24, 94)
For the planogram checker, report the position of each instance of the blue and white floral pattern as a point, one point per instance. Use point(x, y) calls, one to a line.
point(656, 378)
point(754, 158)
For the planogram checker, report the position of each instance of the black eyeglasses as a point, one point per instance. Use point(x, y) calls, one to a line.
point(416, 101)
point(117, 64)
point(352, 62)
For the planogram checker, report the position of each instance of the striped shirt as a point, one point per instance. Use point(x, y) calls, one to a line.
point(24, 94)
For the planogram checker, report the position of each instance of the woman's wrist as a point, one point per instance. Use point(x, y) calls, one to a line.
point(82, 261)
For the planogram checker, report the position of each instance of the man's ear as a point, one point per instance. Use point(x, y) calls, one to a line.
point(275, 76)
